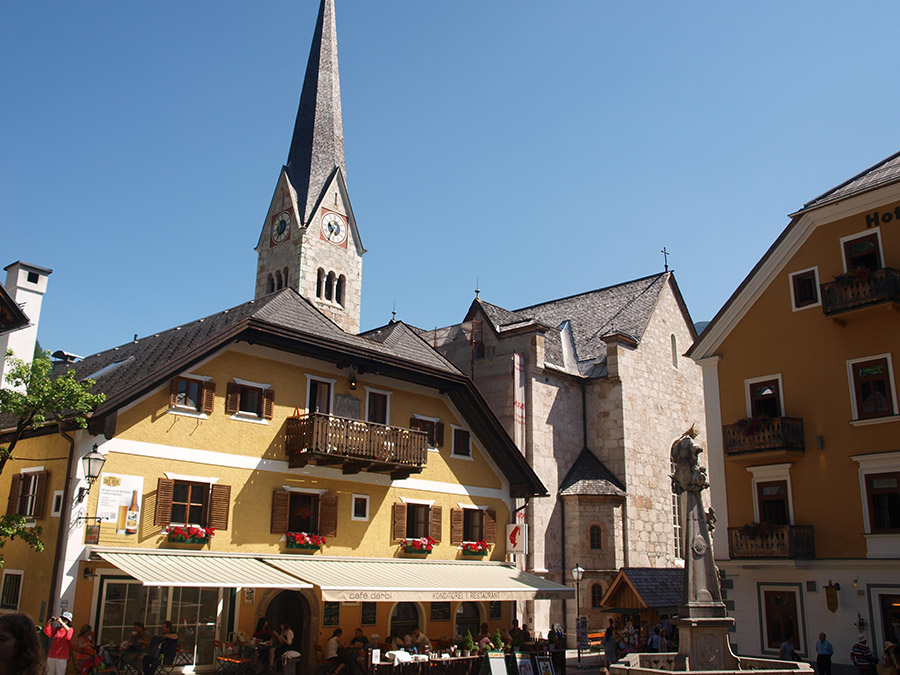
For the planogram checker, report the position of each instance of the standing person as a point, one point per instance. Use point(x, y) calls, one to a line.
point(824, 652)
point(20, 651)
point(60, 631)
point(786, 651)
point(890, 664)
point(610, 644)
point(861, 656)
point(664, 641)
point(653, 642)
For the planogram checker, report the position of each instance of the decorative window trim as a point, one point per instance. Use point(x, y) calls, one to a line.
point(436, 421)
point(387, 395)
point(330, 382)
point(453, 429)
point(874, 463)
point(57, 498)
point(307, 491)
point(852, 384)
point(248, 383)
point(860, 235)
point(21, 575)
point(353, 499)
point(768, 473)
point(800, 630)
point(474, 507)
point(190, 479)
point(185, 412)
point(763, 378)
point(818, 302)
point(875, 420)
point(31, 469)
point(422, 502)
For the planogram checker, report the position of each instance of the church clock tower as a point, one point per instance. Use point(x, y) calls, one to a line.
point(309, 240)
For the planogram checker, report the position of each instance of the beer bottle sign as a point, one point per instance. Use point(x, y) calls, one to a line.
point(131, 517)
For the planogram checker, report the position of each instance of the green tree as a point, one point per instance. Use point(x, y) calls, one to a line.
point(34, 399)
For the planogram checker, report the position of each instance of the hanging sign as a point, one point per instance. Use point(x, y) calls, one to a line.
point(831, 596)
point(120, 501)
point(517, 538)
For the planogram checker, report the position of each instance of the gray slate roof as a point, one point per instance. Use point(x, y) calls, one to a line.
point(659, 587)
point(317, 146)
point(589, 476)
point(885, 171)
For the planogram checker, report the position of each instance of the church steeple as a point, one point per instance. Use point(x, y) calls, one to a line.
point(317, 146)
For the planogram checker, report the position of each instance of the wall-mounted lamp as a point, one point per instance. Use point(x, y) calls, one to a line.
point(352, 381)
point(93, 464)
point(89, 573)
point(820, 442)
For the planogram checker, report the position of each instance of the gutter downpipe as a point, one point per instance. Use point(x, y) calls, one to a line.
point(64, 517)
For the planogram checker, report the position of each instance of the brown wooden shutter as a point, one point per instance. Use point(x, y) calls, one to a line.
point(328, 515)
point(438, 433)
point(232, 398)
point(12, 506)
point(39, 493)
point(219, 503)
point(436, 523)
point(209, 398)
point(281, 504)
point(165, 487)
point(490, 527)
point(268, 404)
point(398, 531)
point(456, 526)
point(173, 393)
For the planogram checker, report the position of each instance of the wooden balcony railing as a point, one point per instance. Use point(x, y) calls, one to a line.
point(774, 433)
point(771, 541)
point(877, 287)
point(354, 445)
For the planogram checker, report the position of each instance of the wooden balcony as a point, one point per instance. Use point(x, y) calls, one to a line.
point(771, 541)
point(774, 433)
point(879, 286)
point(354, 445)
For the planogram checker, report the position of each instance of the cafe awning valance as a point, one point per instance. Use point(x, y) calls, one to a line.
point(182, 568)
point(382, 580)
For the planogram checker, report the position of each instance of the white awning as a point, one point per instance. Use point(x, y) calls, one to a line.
point(353, 580)
point(184, 568)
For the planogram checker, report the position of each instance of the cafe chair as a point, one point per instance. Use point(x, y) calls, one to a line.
point(230, 662)
point(84, 666)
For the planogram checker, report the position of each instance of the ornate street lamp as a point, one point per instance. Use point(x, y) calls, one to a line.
point(578, 575)
point(93, 464)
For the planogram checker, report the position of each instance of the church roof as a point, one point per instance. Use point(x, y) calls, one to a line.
point(317, 146)
point(885, 171)
point(589, 476)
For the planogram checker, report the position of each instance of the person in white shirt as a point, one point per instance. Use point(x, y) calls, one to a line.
point(285, 638)
point(331, 650)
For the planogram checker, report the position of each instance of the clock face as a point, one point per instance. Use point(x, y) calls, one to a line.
point(281, 227)
point(334, 229)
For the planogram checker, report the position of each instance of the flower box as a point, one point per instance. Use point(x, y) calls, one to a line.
point(420, 546)
point(479, 554)
point(303, 547)
point(475, 548)
point(304, 542)
point(189, 534)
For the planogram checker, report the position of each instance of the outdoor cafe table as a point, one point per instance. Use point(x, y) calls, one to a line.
point(460, 665)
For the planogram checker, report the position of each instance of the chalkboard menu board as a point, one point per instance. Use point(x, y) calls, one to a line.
point(495, 609)
point(440, 611)
point(367, 614)
point(331, 614)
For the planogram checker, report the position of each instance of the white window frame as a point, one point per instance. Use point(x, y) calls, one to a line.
point(766, 474)
point(815, 271)
point(860, 235)
point(21, 575)
point(332, 382)
point(879, 545)
point(800, 641)
point(453, 453)
point(190, 411)
point(30, 520)
point(56, 504)
point(387, 394)
point(763, 378)
point(353, 515)
point(856, 421)
point(435, 420)
point(245, 416)
point(473, 507)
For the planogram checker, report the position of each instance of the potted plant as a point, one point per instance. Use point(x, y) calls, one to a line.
point(468, 644)
point(475, 548)
point(189, 534)
point(302, 540)
point(858, 274)
point(756, 530)
point(421, 545)
point(752, 425)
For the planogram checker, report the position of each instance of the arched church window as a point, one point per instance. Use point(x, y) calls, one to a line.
point(279, 281)
point(270, 284)
point(339, 290)
point(320, 283)
point(596, 537)
point(285, 272)
point(596, 595)
point(329, 286)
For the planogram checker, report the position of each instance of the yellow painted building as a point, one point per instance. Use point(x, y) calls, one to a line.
point(800, 370)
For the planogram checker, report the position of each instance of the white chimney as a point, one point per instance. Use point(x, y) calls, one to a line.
point(26, 285)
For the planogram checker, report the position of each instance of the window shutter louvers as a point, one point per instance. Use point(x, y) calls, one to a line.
point(281, 504)
point(268, 404)
point(209, 398)
point(436, 523)
point(232, 398)
point(39, 492)
point(439, 433)
point(328, 515)
point(219, 502)
point(398, 531)
point(456, 526)
point(165, 487)
point(490, 527)
point(173, 392)
point(12, 506)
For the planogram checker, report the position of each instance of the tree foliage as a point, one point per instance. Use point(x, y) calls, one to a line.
point(32, 399)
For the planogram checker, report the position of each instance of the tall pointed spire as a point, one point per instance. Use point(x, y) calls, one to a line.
point(317, 147)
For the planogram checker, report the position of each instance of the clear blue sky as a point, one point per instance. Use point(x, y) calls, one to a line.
point(544, 148)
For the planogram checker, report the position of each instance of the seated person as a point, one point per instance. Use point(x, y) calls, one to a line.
point(423, 644)
point(359, 640)
point(395, 642)
point(409, 645)
point(140, 638)
point(85, 653)
point(332, 647)
point(170, 643)
point(264, 639)
point(284, 636)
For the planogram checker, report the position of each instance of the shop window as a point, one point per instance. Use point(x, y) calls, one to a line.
point(462, 443)
point(863, 252)
point(414, 521)
point(805, 288)
point(180, 502)
point(883, 498)
point(193, 395)
point(248, 399)
point(873, 394)
point(26, 494)
point(772, 501)
point(765, 398)
point(473, 524)
point(596, 538)
point(596, 596)
point(432, 427)
point(11, 591)
point(309, 512)
point(781, 618)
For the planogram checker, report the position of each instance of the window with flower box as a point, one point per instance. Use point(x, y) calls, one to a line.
point(192, 503)
point(416, 521)
point(473, 524)
point(311, 513)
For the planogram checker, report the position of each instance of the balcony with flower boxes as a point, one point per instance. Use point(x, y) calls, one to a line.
point(778, 436)
point(761, 540)
point(354, 445)
point(860, 288)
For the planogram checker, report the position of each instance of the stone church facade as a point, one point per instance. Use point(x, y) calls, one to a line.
point(594, 389)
